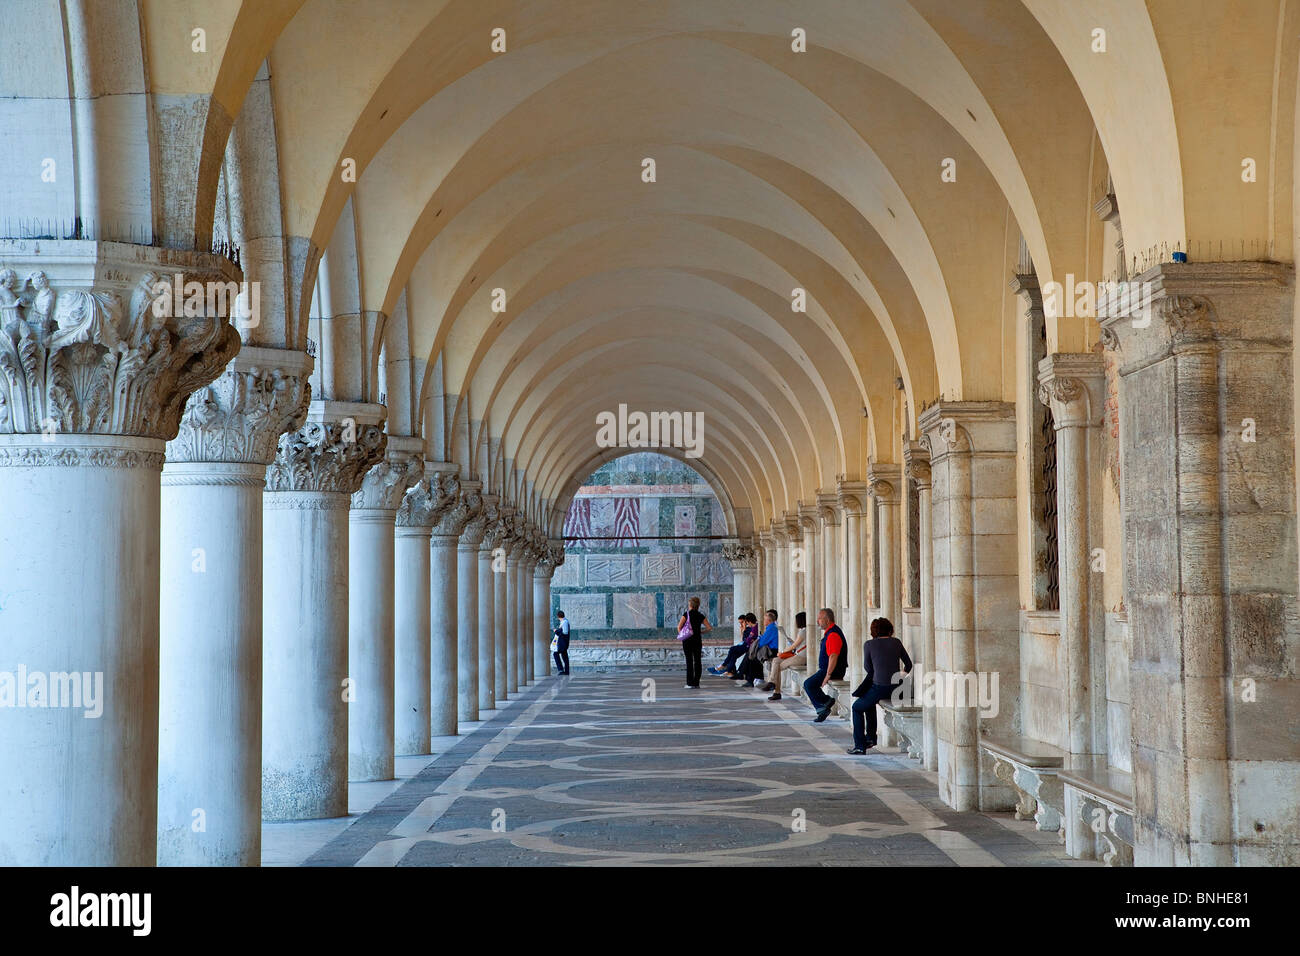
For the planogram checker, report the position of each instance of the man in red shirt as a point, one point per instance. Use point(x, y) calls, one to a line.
point(832, 664)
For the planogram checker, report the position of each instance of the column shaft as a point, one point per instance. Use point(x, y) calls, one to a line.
point(99, 523)
point(412, 604)
point(210, 796)
point(444, 630)
point(370, 643)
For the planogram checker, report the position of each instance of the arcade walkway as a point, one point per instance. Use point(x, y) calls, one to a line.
point(580, 770)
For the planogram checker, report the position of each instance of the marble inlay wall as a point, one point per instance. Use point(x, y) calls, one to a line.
point(642, 536)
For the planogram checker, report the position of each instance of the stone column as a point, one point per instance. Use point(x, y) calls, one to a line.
point(412, 608)
point(742, 559)
point(973, 461)
point(93, 381)
point(502, 652)
point(918, 468)
point(371, 525)
point(854, 498)
point(210, 620)
point(444, 602)
point(537, 633)
point(515, 652)
point(466, 623)
point(489, 559)
point(548, 559)
point(1207, 431)
point(807, 580)
point(884, 481)
point(794, 557)
point(781, 578)
point(828, 511)
point(523, 632)
point(307, 688)
point(1075, 388)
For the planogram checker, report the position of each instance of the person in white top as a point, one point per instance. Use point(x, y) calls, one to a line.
point(560, 647)
point(793, 656)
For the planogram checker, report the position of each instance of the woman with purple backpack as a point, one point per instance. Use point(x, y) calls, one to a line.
point(690, 631)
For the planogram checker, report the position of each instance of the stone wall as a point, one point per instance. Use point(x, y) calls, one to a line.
point(626, 577)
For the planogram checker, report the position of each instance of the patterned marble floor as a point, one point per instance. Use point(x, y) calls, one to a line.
point(583, 771)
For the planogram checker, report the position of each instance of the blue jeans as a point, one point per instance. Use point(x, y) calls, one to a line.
point(865, 707)
point(730, 663)
point(813, 688)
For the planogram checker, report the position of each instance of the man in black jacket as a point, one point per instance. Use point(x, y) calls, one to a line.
point(883, 654)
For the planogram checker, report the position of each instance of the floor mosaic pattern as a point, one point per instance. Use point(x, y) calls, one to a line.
point(635, 770)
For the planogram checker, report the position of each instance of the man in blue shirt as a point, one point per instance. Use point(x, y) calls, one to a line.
point(769, 642)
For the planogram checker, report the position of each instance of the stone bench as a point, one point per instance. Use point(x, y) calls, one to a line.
point(1032, 768)
point(1099, 805)
point(843, 707)
point(906, 721)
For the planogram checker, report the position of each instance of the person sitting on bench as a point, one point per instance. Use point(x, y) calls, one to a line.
point(883, 654)
point(793, 656)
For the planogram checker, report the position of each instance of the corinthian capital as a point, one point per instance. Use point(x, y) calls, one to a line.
point(242, 414)
point(85, 354)
point(459, 511)
point(476, 519)
point(383, 486)
point(426, 501)
point(741, 557)
point(326, 456)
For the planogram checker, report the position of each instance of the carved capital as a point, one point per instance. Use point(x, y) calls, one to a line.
point(1189, 318)
point(96, 356)
point(476, 519)
point(427, 499)
point(916, 463)
point(452, 520)
point(741, 557)
point(383, 486)
point(241, 415)
point(326, 456)
point(1063, 391)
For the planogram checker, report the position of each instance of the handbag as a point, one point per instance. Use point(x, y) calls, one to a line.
point(555, 644)
point(687, 630)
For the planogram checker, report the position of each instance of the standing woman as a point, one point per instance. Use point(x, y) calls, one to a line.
point(693, 645)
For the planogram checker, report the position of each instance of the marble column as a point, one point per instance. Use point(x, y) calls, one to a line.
point(742, 559)
point(445, 625)
point(95, 381)
point(547, 561)
point(210, 620)
point(371, 540)
point(536, 632)
point(918, 469)
point(806, 582)
point(974, 534)
point(884, 481)
point(515, 653)
point(1207, 464)
point(523, 632)
point(854, 499)
point(307, 688)
point(780, 579)
point(413, 599)
point(466, 623)
point(1075, 388)
point(489, 557)
point(828, 510)
point(502, 652)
